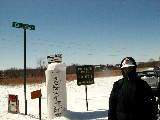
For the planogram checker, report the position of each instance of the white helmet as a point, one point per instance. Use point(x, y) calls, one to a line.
point(128, 62)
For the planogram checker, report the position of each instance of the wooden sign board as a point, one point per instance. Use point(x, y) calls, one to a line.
point(85, 75)
point(36, 94)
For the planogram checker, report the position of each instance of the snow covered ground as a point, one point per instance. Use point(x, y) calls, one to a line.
point(98, 96)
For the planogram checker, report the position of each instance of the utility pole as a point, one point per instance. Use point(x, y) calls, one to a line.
point(24, 27)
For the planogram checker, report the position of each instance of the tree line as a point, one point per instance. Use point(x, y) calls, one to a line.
point(14, 73)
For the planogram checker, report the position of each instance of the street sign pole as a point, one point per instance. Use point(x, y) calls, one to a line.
point(24, 27)
point(25, 71)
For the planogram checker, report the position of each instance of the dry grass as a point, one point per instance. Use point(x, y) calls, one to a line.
point(69, 77)
point(41, 79)
point(19, 81)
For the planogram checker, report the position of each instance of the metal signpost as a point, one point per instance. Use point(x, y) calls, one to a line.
point(85, 76)
point(37, 94)
point(24, 27)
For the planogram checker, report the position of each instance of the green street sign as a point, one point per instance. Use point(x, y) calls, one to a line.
point(23, 26)
point(17, 25)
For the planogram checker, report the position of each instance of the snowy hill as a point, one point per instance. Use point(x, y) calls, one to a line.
point(98, 98)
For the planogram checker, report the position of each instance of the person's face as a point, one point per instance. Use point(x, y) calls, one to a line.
point(128, 70)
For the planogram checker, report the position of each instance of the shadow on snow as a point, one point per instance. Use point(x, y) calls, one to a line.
point(86, 115)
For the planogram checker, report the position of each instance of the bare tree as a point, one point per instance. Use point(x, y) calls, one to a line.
point(151, 60)
point(41, 63)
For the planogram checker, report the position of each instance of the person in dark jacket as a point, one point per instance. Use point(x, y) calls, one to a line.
point(130, 98)
point(158, 89)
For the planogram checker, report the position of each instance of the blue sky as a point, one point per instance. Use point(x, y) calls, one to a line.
point(84, 31)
